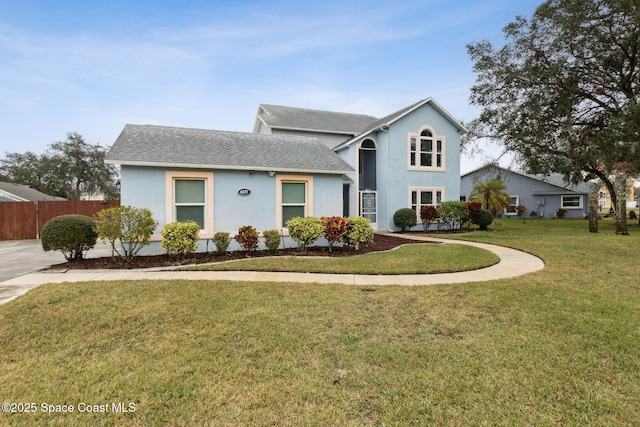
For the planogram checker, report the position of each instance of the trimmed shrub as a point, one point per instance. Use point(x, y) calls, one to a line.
point(271, 240)
point(222, 240)
point(405, 218)
point(453, 213)
point(73, 235)
point(304, 231)
point(484, 219)
point(130, 226)
point(334, 229)
point(428, 214)
point(180, 237)
point(359, 232)
point(247, 237)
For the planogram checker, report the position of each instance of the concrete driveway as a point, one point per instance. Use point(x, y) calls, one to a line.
point(19, 257)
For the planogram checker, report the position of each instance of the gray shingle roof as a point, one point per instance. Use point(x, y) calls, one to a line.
point(148, 145)
point(314, 120)
point(558, 180)
point(555, 179)
point(23, 193)
point(391, 118)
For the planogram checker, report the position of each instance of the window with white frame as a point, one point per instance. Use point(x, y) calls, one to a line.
point(513, 202)
point(419, 197)
point(572, 202)
point(426, 150)
point(189, 198)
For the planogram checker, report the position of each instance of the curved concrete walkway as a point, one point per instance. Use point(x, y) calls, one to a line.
point(512, 263)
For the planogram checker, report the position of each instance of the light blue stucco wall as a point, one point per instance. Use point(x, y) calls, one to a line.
point(144, 187)
point(535, 195)
point(232, 211)
point(393, 175)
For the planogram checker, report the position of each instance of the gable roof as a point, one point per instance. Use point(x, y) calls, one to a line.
point(149, 145)
point(291, 118)
point(393, 117)
point(555, 179)
point(10, 192)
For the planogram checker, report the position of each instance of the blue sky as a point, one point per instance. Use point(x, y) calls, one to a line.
point(93, 66)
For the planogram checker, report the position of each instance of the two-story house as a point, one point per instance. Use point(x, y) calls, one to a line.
point(297, 162)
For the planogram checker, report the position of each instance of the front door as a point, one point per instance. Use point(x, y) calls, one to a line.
point(369, 206)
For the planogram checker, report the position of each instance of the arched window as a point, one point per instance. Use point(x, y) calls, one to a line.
point(368, 144)
point(426, 150)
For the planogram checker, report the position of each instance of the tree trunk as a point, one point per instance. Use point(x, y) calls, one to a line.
point(593, 208)
point(621, 206)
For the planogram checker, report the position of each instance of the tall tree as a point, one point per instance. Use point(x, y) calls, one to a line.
point(563, 93)
point(70, 169)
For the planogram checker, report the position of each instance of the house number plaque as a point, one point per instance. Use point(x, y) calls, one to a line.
point(244, 191)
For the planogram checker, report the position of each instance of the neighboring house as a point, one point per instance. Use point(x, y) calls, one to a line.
point(297, 162)
point(604, 197)
point(542, 194)
point(10, 192)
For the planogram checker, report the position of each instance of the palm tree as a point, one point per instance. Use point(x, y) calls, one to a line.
point(492, 195)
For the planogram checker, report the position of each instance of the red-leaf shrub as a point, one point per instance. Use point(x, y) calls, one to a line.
point(247, 237)
point(428, 214)
point(474, 210)
point(334, 229)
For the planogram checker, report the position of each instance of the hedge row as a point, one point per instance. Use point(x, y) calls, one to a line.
point(129, 229)
point(451, 214)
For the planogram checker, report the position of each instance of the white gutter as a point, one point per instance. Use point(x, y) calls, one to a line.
point(226, 167)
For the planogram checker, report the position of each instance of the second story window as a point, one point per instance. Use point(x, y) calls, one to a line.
point(426, 151)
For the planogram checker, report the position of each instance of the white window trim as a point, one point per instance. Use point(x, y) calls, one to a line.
point(580, 198)
point(170, 176)
point(368, 138)
point(434, 154)
point(308, 180)
point(419, 205)
point(515, 211)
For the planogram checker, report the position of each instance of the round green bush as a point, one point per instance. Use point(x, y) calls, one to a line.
point(484, 219)
point(73, 235)
point(405, 218)
point(359, 232)
point(271, 239)
point(305, 231)
point(222, 240)
point(180, 237)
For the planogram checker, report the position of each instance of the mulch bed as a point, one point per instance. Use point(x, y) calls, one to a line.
point(380, 243)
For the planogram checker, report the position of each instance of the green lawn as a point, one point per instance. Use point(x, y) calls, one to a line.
point(559, 347)
point(427, 258)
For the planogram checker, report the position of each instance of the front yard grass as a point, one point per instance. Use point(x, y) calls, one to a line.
point(557, 347)
point(427, 258)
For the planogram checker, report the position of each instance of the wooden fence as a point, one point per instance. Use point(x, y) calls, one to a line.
point(24, 220)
